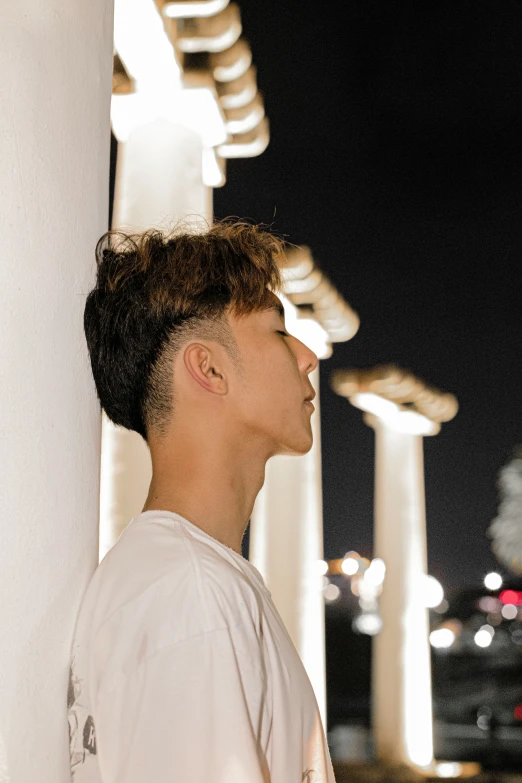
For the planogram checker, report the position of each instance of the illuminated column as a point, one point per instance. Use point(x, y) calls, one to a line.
point(54, 162)
point(167, 133)
point(402, 410)
point(159, 181)
point(286, 536)
point(176, 125)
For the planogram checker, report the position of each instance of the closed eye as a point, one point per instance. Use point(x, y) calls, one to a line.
point(285, 334)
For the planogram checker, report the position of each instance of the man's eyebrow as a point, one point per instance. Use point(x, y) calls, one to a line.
point(278, 307)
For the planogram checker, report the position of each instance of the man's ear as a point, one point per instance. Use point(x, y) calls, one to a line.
point(205, 366)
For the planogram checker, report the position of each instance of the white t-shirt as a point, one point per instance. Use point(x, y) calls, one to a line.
point(183, 672)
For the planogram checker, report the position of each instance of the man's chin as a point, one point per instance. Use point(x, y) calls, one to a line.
point(297, 448)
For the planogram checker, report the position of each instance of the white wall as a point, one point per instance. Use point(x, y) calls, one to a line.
point(56, 63)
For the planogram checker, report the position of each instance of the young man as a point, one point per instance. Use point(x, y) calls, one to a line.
point(182, 671)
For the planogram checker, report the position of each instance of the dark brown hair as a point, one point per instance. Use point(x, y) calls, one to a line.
point(156, 290)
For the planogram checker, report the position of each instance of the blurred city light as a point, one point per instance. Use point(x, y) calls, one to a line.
point(331, 593)
point(442, 638)
point(489, 604)
point(511, 597)
point(484, 636)
point(376, 572)
point(448, 769)
point(509, 612)
point(368, 623)
point(434, 593)
point(350, 566)
point(493, 581)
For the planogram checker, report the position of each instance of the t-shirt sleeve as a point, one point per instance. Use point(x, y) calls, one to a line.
point(192, 712)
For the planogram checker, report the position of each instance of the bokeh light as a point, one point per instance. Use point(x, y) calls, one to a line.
point(350, 566)
point(442, 638)
point(493, 581)
point(509, 612)
point(331, 593)
point(434, 593)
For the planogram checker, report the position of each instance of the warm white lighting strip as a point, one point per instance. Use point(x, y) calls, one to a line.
point(239, 92)
point(231, 64)
point(245, 119)
point(392, 385)
point(193, 8)
point(211, 34)
point(236, 100)
point(305, 284)
point(248, 145)
point(393, 416)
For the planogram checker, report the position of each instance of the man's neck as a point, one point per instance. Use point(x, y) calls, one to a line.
point(212, 484)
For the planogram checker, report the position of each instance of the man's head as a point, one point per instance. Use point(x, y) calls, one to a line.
point(189, 325)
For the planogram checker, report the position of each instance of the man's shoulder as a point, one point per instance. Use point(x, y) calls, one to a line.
point(160, 567)
point(157, 588)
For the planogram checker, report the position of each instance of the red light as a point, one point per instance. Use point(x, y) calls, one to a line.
point(517, 712)
point(511, 597)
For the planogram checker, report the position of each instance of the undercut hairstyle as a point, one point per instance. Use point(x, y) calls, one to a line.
point(157, 291)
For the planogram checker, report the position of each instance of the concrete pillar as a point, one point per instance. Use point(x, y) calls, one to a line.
point(402, 409)
point(286, 541)
point(401, 693)
point(56, 60)
point(159, 182)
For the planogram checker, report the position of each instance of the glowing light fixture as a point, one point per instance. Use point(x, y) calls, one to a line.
point(368, 623)
point(393, 415)
point(448, 769)
point(511, 597)
point(509, 611)
point(331, 593)
point(193, 8)
point(421, 407)
point(239, 92)
point(246, 118)
point(493, 581)
point(247, 145)
point(484, 636)
point(210, 34)
point(231, 64)
point(375, 573)
point(350, 566)
point(442, 638)
point(433, 591)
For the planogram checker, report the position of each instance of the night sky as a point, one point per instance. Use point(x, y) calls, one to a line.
point(396, 156)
